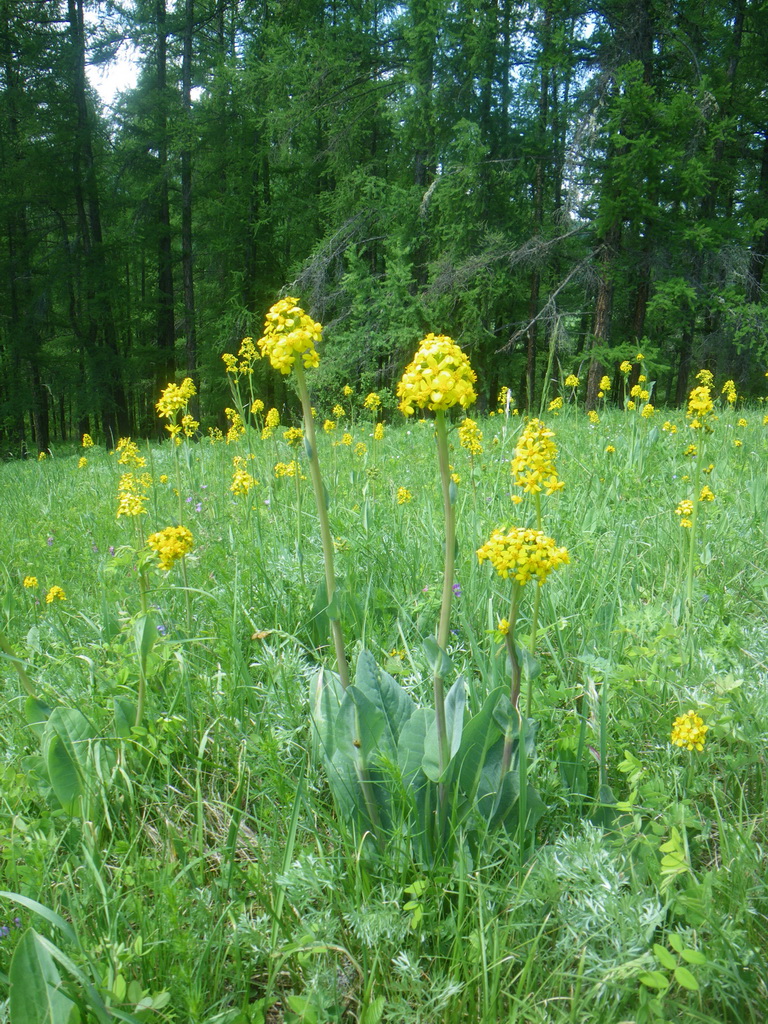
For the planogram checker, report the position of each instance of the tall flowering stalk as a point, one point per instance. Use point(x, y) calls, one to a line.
point(438, 378)
point(700, 414)
point(290, 333)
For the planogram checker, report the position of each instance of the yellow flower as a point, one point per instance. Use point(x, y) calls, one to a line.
point(55, 594)
point(626, 367)
point(737, 443)
point(504, 400)
point(636, 391)
point(30, 582)
point(175, 397)
point(610, 449)
point(742, 422)
point(700, 405)
point(438, 378)
point(685, 511)
point(289, 332)
point(533, 466)
point(237, 428)
point(572, 381)
point(257, 407)
point(372, 401)
point(691, 451)
point(170, 545)
point(706, 378)
point(87, 441)
point(605, 384)
point(131, 496)
point(42, 456)
point(82, 462)
point(378, 433)
point(647, 411)
point(669, 427)
point(706, 494)
point(338, 411)
point(329, 426)
point(361, 448)
point(289, 469)
point(347, 390)
point(403, 496)
point(689, 731)
point(642, 379)
point(470, 436)
point(729, 390)
point(346, 439)
point(293, 435)
point(593, 417)
point(215, 435)
point(272, 419)
point(502, 626)
point(522, 553)
point(639, 357)
point(242, 482)
point(129, 453)
point(555, 404)
point(630, 404)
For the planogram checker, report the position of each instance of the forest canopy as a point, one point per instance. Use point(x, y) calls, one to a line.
point(556, 185)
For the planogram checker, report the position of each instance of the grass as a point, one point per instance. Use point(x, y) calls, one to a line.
point(205, 871)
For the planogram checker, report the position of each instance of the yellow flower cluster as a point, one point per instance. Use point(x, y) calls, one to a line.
point(289, 469)
point(523, 554)
point(691, 451)
point(626, 367)
point(132, 494)
point(293, 435)
point(237, 427)
point(669, 427)
point(594, 419)
point(215, 435)
point(346, 440)
point(361, 449)
point(610, 450)
point(555, 405)
point(471, 436)
point(372, 401)
point(272, 419)
point(685, 511)
point(700, 405)
point(87, 441)
point(175, 397)
point(647, 411)
point(129, 453)
point(706, 378)
point(30, 582)
point(55, 594)
point(403, 496)
point(42, 456)
point(689, 731)
point(347, 390)
point(572, 381)
point(257, 406)
point(338, 411)
point(289, 332)
point(378, 433)
point(247, 355)
point(504, 400)
point(329, 426)
point(438, 377)
point(729, 390)
point(533, 466)
point(242, 482)
point(82, 462)
point(706, 494)
point(171, 544)
point(605, 384)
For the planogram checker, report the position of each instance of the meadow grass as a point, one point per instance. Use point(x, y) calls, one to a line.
point(204, 869)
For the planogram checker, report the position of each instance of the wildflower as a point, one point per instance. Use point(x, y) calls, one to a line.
point(669, 427)
point(215, 435)
point(689, 731)
point(742, 422)
point(708, 469)
point(533, 466)
point(55, 594)
point(593, 417)
point(610, 449)
point(555, 405)
point(129, 453)
point(647, 411)
point(272, 419)
point(290, 332)
point(685, 511)
point(329, 426)
point(642, 379)
point(163, 478)
point(361, 449)
point(82, 462)
point(189, 425)
point(170, 545)
point(87, 441)
point(338, 411)
point(237, 427)
point(690, 451)
point(706, 494)
point(347, 390)
point(293, 435)
point(242, 481)
point(438, 377)
point(572, 381)
point(470, 436)
point(737, 443)
point(174, 398)
point(504, 400)
point(257, 407)
point(42, 456)
point(631, 405)
point(372, 401)
point(523, 553)
point(378, 433)
point(456, 478)
point(289, 469)
point(346, 439)
point(605, 384)
point(626, 367)
point(456, 590)
point(30, 582)
point(700, 405)
point(502, 626)
point(403, 496)
point(131, 495)
point(635, 392)
point(639, 357)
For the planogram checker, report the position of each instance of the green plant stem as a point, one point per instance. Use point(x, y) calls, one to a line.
point(694, 521)
point(509, 639)
point(441, 433)
point(322, 514)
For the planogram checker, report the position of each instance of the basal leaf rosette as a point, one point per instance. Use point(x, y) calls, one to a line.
point(523, 554)
point(290, 332)
point(438, 378)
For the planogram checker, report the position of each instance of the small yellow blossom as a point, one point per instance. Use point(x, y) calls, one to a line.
point(175, 397)
point(605, 384)
point(642, 379)
point(237, 428)
point(272, 419)
point(329, 426)
point(555, 405)
point(215, 435)
point(533, 466)
point(372, 401)
point(378, 433)
point(706, 494)
point(626, 367)
point(403, 496)
point(471, 436)
point(669, 427)
point(293, 435)
point(647, 411)
point(742, 422)
point(737, 443)
point(82, 462)
point(170, 545)
point(502, 626)
point(87, 441)
point(593, 417)
point(522, 553)
point(729, 390)
point(630, 404)
point(346, 439)
point(291, 468)
point(610, 449)
point(706, 378)
point(685, 511)
point(347, 390)
point(30, 582)
point(338, 411)
point(636, 391)
point(42, 456)
point(129, 453)
point(572, 381)
point(290, 332)
point(55, 594)
point(438, 377)
point(361, 449)
point(257, 407)
point(639, 357)
point(689, 731)
point(242, 482)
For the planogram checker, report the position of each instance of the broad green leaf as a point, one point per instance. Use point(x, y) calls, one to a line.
point(454, 714)
point(145, 634)
point(437, 659)
point(325, 701)
point(125, 716)
point(654, 979)
point(37, 713)
point(675, 942)
point(684, 977)
point(36, 994)
point(388, 696)
point(693, 956)
point(64, 774)
point(66, 744)
point(361, 725)
point(410, 748)
point(665, 958)
point(478, 736)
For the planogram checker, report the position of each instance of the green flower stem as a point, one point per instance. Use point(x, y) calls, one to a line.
point(322, 515)
point(694, 520)
point(514, 668)
point(441, 433)
point(534, 615)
